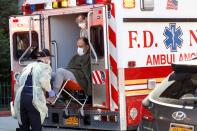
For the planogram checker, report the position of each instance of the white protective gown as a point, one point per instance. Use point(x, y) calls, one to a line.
point(41, 76)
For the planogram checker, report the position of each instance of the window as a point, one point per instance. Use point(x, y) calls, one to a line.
point(185, 84)
point(177, 88)
point(97, 40)
point(21, 43)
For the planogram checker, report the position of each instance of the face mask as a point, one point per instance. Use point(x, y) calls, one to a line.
point(80, 51)
point(82, 25)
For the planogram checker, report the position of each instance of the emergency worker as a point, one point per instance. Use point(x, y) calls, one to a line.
point(30, 102)
point(81, 20)
point(78, 69)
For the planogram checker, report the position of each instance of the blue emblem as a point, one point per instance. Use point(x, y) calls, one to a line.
point(173, 37)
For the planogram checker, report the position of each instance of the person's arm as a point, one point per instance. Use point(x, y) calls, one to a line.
point(45, 78)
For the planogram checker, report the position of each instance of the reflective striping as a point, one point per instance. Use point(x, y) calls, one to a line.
point(141, 81)
point(97, 78)
point(115, 95)
point(113, 49)
point(112, 23)
point(94, 81)
point(137, 92)
point(112, 36)
point(136, 87)
point(113, 79)
point(112, 9)
point(113, 65)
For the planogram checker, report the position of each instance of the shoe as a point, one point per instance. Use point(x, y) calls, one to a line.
point(51, 100)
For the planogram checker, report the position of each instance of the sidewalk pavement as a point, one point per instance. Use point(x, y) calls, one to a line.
point(8, 124)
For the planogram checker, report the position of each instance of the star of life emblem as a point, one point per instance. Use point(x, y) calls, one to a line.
point(173, 37)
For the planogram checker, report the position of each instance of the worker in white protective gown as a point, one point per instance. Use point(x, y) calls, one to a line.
point(30, 102)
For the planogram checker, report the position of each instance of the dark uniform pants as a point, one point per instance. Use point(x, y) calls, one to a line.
point(30, 117)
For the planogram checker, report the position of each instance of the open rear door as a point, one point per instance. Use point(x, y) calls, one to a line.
point(25, 38)
point(97, 24)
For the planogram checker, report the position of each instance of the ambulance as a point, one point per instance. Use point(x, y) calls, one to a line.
point(133, 43)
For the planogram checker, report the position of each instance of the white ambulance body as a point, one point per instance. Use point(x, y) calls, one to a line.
point(133, 45)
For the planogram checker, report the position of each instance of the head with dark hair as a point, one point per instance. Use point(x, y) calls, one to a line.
point(44, 56)
point(81, 20)
point(83, 46)
point(85, 40)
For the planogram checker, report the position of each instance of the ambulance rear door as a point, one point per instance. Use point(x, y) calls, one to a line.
point(25, 40)
point(97, 26)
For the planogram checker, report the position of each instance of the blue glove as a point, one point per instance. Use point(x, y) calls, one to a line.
point(52, 93)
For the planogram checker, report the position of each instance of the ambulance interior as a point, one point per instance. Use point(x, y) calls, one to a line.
point(65, 31)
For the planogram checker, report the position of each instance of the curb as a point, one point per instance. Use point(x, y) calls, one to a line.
point(5, 113)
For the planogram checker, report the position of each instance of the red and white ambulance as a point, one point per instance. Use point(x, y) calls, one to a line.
point(133, 44)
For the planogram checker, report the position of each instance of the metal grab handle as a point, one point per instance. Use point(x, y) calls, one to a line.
point(55, 50)
point(30, 42)
point(92, 48)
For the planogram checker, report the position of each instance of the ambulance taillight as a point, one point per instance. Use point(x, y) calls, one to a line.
point(15, 20)
point(129, 3)
point(131, 64)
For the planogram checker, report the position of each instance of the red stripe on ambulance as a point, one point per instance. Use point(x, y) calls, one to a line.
point(112, 9)
point(114, 65)
point(112, 36)
point(147, 72)
point(115, 95)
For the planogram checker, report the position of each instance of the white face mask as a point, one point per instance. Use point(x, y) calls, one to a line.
point(82, 25)
point(80, 51)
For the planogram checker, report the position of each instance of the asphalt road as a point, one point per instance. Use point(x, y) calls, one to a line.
point(8, 124)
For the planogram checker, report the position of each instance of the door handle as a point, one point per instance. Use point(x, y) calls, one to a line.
point(91, 46)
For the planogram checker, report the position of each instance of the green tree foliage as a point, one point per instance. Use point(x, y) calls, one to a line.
point(7, 8)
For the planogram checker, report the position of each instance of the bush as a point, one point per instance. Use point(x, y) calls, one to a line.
point(7, 7)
